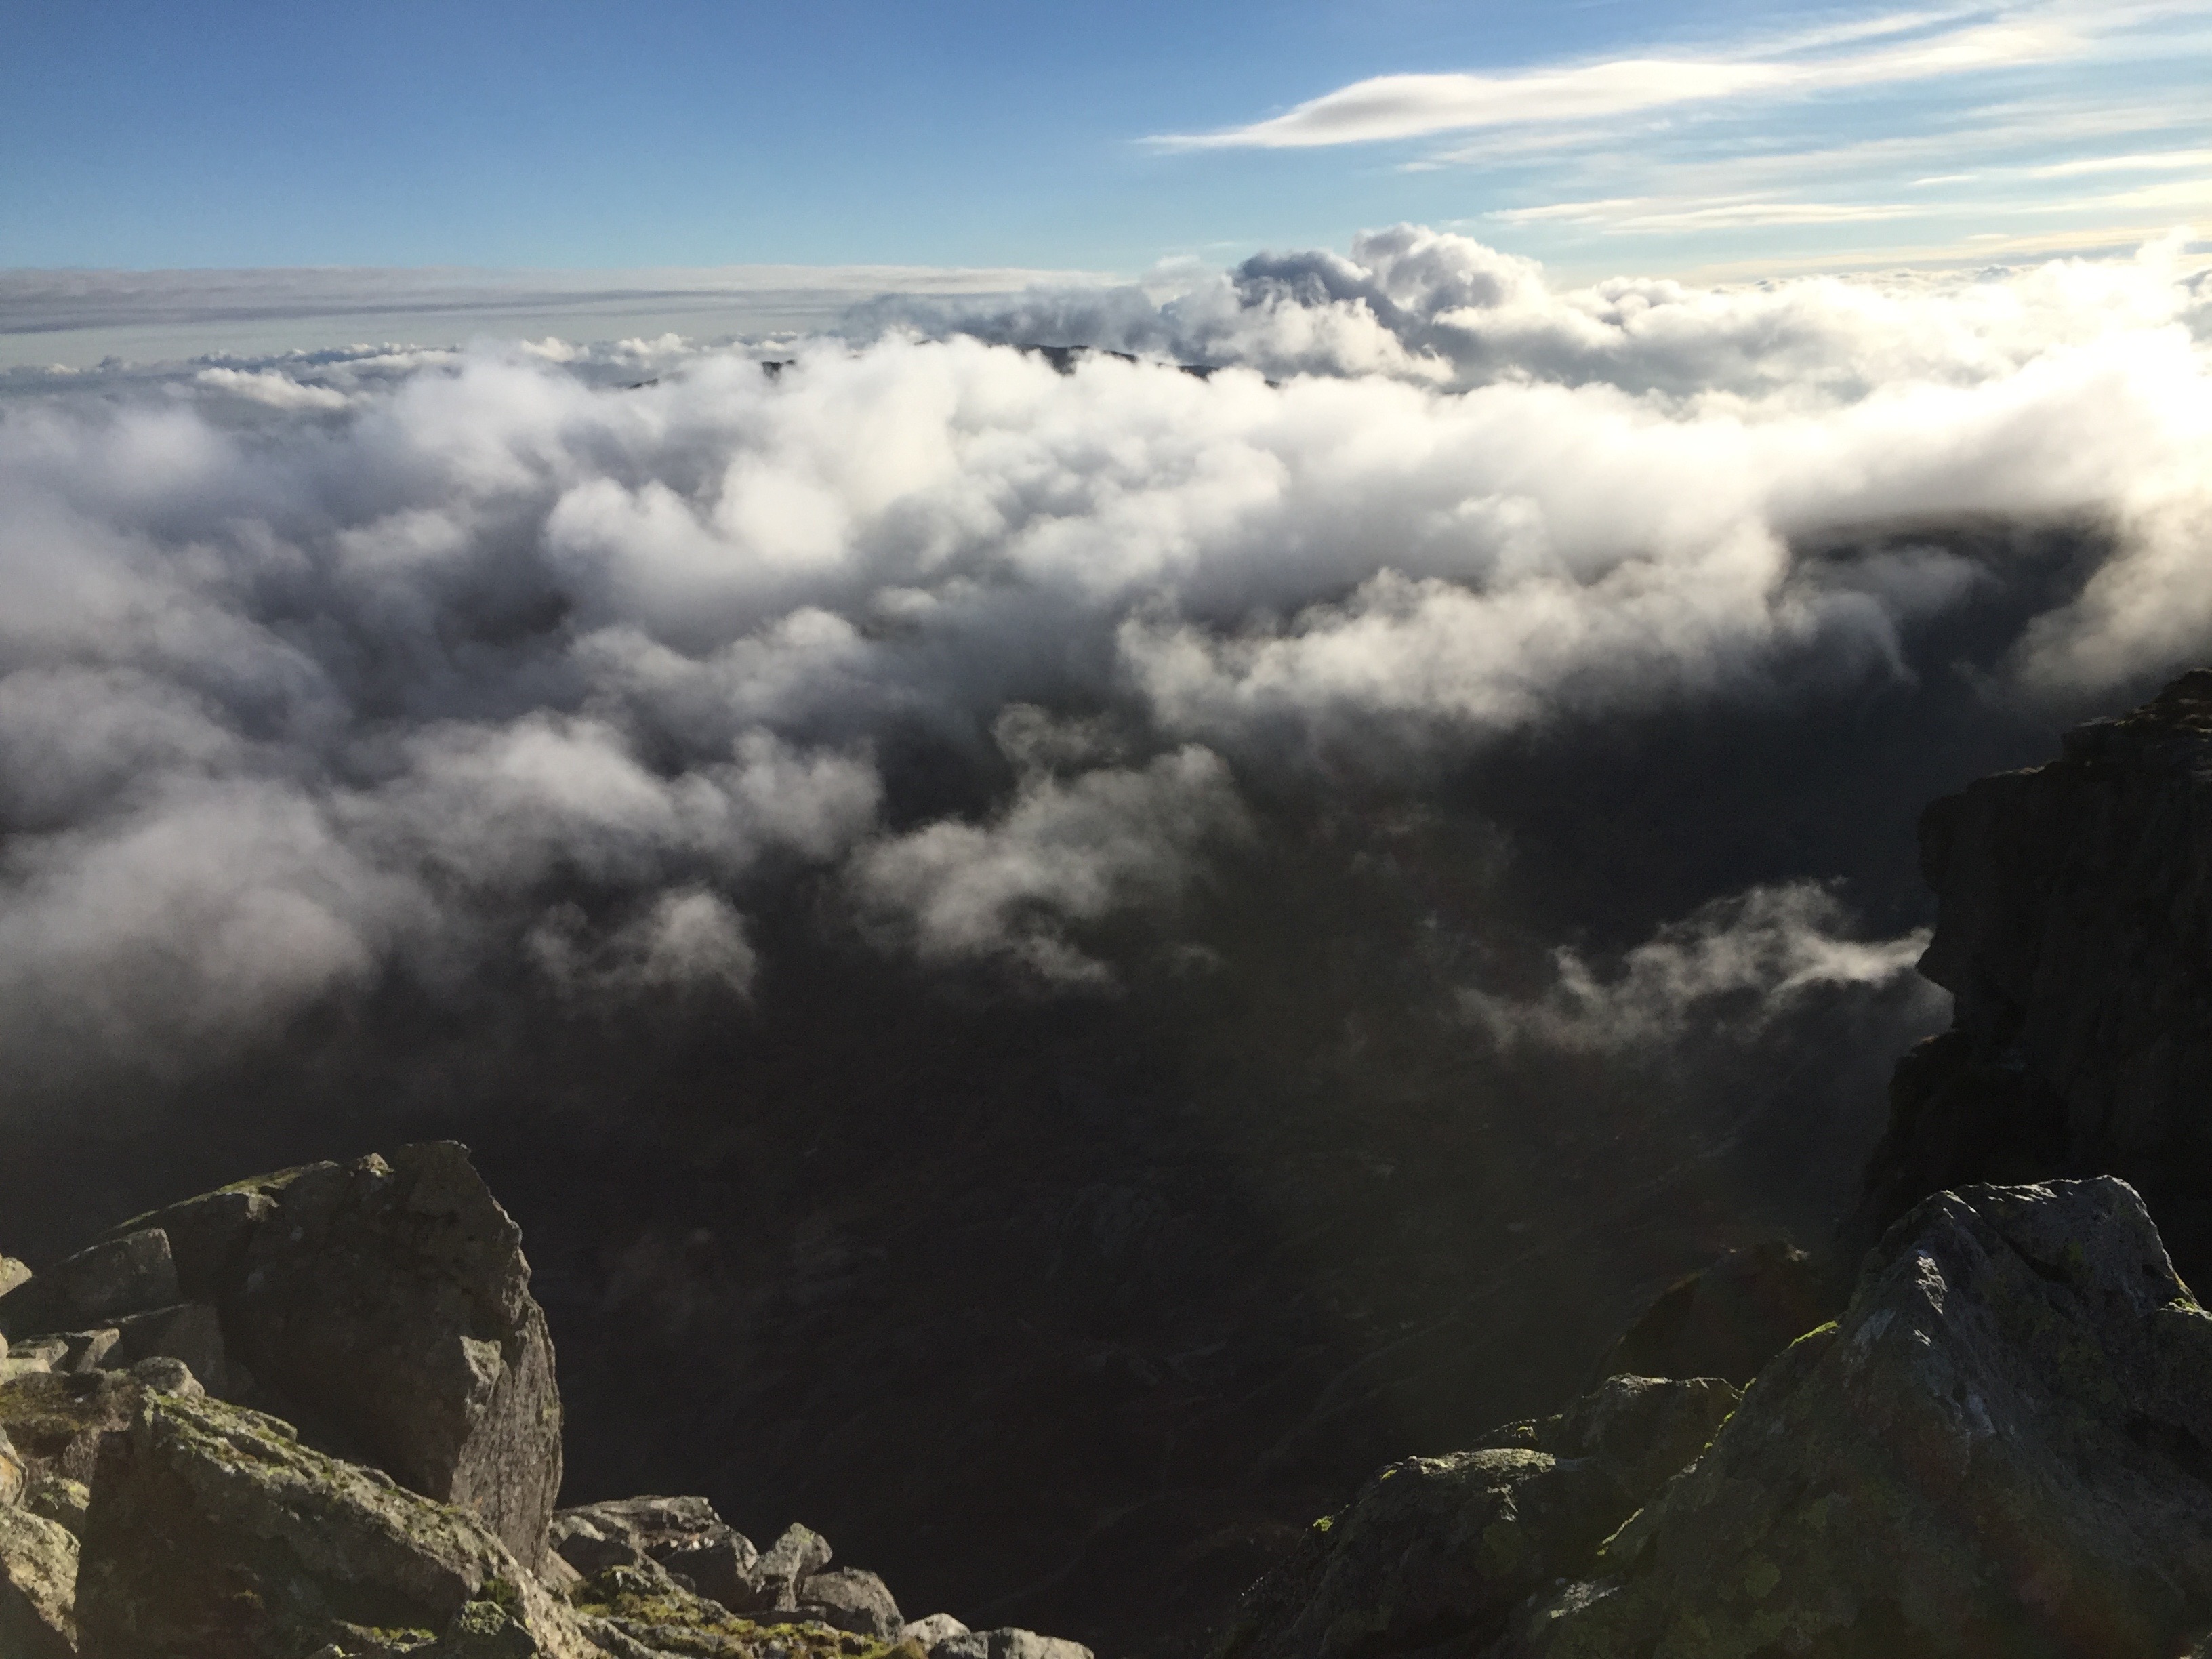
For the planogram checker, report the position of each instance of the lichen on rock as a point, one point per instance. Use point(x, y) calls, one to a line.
point(213, 1534)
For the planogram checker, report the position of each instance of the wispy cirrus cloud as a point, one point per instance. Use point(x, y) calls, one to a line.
point(1957, 123)
point(1917, 45)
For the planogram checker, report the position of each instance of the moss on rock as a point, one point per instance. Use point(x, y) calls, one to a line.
point(213, 1534)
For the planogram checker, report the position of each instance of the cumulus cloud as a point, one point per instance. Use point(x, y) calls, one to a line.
point(1730, 970)
point(1059, 853)
point(562, 658)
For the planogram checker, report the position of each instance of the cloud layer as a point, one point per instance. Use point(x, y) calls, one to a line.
point(553, 661)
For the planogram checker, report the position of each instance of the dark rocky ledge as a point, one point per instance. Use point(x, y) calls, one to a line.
point(313, 1415)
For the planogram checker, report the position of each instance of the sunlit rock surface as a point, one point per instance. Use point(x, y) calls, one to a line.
point(213, 1532)
point(384, 1307)
point(2000, 1448)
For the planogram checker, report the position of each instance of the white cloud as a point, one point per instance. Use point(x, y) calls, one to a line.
point(1393, 106)
point(293, 698)
point(1059, 853)
point(1730, 970)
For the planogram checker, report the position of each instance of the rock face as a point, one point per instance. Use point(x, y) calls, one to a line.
point(2001, 1448)
point(2075, 904)
point(1438, 1549)
point(57, 1423)
point(385, 1309)
point(212, 1532)
point(38, 1586)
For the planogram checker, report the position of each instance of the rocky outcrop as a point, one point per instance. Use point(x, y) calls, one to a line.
point(2074, 906)
point(387, 1305)
point(1437, 1549)
point(58, 1422)
point(122, 1275)
point(384, 1308)
point(213, 1533)
point(2001, 1448)
point(683, 1535)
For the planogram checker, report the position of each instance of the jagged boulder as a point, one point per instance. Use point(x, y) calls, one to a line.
point(213, 1534)
point(1437, 1549)
point(2002, 1448)
point(13, 1475)
point(38, 1586)
point(1727, 1319)
point(125, 1274)
point(58, 1421)
point(384, 1308)
point(683, 1535)
point(851, 1598)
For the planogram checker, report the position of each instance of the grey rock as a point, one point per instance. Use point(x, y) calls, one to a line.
point(118, 1276)
point(848, 1598)
point(190, 1331)
point(384, 1308)
point(208, 1235)
point(59, 1421)
point(590, 1548)
point(681, 1535)
point(1008, 1644)
point(13, 1275)
point(1645, 1428)
point(213, 1534)
point(162, 1375)
point(85, 1350)
point(14, 1474)
point(799, 1552)
point(38, 1586)
point(926, 1633)
point(1442, 1549)
point(1999, 1448)
point(61, 1501)
point(721, 1567)
point(44, 1352)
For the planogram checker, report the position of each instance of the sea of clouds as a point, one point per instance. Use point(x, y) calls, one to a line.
point(326, 667)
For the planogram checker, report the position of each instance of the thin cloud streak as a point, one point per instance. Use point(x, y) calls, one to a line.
point(1394, 106)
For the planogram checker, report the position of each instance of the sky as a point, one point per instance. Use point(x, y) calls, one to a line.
point(1689, 137)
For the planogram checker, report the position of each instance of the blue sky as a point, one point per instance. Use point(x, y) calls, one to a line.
point(1698, 135)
